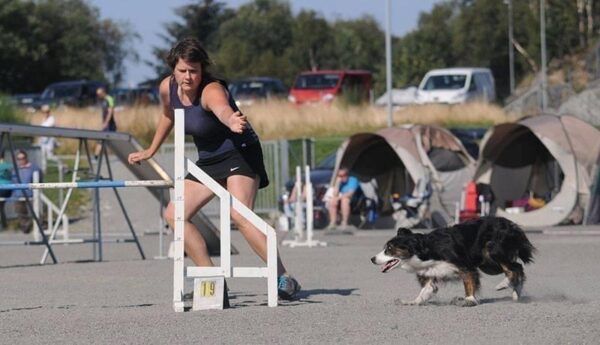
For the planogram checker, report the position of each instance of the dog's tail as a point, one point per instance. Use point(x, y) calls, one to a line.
point(512, 243)
point(525, 248)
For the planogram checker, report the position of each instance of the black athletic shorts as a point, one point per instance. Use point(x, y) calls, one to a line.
point(247, 161)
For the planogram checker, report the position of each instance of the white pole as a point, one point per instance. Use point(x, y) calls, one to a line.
point(309, 205)
point(388, 62)
point(225, 200)
point(60, 179)
point(65, 224)
point(298, 223)
point(36, 206)
point(178, 264)
point(271, 267)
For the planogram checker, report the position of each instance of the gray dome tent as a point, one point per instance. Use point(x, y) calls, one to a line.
point(398, 158)
point(548, 157)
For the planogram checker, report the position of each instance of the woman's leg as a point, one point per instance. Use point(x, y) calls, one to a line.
point(244, 188)
point(196, 196)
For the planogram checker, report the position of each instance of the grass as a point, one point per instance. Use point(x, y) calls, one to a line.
point(80, 198)
point(283, 120)
point(8, 113)
point(329, 125)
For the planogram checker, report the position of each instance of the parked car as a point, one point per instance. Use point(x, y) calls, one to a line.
point(247, 91)
point(457, 85)
point(136, 96)
point(75, 93)
point(470, 138)
point(25, 100)
point(325, 86)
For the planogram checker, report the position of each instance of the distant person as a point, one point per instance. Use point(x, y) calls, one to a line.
point(6, 171)
point(107, 105)
point(229, 151)
point(343, 190)
point(25, 172)
point(47, 144)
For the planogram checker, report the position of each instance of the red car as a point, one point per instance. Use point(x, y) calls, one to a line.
point(325, 86)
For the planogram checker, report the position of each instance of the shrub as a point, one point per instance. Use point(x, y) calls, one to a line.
point(8, 112)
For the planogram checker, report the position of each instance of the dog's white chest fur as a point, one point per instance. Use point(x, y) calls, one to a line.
point(430, 268)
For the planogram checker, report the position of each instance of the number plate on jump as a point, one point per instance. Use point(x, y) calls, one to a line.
point(208, 293)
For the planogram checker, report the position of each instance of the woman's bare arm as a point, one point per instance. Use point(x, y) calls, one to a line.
point(215, 98)
point(164, 127)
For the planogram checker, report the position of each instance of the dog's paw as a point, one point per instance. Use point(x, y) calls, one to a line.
point(457, 300)
point(516, 294)
point(399, 301)
point(470, 301)
point(504, 284)
point(464, 302)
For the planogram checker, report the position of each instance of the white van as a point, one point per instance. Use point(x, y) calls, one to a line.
point(457, 85)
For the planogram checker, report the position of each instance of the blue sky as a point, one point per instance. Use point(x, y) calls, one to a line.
point(148, 16)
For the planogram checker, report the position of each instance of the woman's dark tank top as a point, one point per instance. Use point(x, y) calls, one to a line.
point(211, 137)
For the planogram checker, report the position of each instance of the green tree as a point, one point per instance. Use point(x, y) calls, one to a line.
point(360, 44)
point(255, 40)
point(429, 46)
point(201, 20)
point(116, 40)
point(52, 40)
point(18, 46)
point(313, 42)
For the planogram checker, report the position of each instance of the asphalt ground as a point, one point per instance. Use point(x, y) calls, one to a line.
point(345, 298)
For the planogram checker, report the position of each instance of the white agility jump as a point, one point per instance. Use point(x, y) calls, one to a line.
point(227, 202)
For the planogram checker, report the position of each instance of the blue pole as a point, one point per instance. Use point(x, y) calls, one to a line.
point(86, 184)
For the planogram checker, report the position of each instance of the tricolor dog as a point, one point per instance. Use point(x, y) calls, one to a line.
point(490, 244)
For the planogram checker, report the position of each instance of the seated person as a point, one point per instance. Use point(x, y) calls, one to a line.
point(25, 175)
point(5, 178)
point(345, 187)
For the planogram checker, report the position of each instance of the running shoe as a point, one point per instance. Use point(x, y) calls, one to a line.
point(287, 287)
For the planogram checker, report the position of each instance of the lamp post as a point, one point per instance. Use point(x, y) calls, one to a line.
point(388, 61)
point(544, 85)
point(511, 50)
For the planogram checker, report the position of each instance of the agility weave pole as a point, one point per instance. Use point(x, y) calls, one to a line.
point(301, 224)
point(227, 201)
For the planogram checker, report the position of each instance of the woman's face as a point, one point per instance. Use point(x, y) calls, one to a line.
point(188, 75)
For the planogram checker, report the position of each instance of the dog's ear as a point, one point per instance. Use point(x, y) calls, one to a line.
point(403, 231)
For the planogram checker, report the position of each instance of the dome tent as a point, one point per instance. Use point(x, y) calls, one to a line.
point(398, 158)
point(546, 157)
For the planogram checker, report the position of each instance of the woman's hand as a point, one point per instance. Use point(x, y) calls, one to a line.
point(237, 122)
point(139, 156)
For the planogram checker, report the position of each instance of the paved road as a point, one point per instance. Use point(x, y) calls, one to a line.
point(345, 299)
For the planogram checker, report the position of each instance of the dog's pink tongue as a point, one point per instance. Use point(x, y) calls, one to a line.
point(388, 265)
